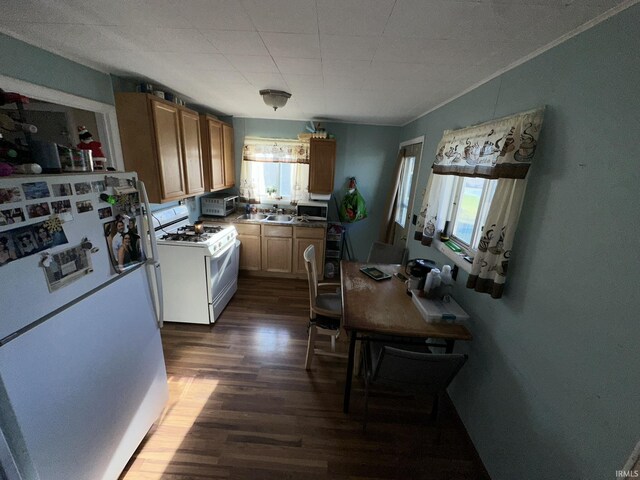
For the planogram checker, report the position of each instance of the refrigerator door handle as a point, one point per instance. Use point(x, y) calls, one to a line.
point(152, 260)
point(158, 292)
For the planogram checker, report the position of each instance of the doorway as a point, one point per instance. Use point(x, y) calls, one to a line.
point(409, 168)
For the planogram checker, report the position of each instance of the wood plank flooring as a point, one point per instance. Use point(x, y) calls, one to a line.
point(242, 406)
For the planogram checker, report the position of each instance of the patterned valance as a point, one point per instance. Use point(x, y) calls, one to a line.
point(501, 148)
point(275, 150)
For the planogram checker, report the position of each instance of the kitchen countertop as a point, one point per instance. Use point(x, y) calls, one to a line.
point(233, 218)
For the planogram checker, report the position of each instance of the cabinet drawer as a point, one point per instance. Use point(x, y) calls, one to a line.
point(308, 232)
point(276, 231)
point(247, 229)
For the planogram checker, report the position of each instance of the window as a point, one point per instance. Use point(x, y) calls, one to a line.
point(278, 178)
point(470, 198)
point(404, 193)
point(274, 169)
point(263, 182)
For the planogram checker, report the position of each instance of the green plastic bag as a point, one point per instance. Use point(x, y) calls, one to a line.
point(352, 207)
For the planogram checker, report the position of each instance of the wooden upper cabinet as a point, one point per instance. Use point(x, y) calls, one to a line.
point(192, 151)
point(161, 142)
point(213, 161)
point(322, 165)
point(229, 157)
point(218, 160)
point(167, 137)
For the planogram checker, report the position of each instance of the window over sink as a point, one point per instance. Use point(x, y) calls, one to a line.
point(274, 170)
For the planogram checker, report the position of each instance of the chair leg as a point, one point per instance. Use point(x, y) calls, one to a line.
point(311, 342)
point(367, 372)
point(333, 343)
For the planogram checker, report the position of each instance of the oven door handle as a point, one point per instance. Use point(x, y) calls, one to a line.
point(152, 260)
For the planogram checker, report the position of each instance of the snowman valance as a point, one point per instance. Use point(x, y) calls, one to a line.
point(502, 148)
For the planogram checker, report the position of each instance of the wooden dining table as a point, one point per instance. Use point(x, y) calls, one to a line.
point(382, 311)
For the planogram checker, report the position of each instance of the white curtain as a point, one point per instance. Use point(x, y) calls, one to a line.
point(252, 184)
point(489, 270)
point(501, 149)
point(280, 150)
point(430, 216)
point(300, 182)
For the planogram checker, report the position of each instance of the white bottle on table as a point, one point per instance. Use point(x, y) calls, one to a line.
point(446, 282)
point(431, 282)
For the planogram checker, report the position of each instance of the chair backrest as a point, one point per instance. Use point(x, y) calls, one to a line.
point(386, 253)
point(431, 372)
point(312, 274)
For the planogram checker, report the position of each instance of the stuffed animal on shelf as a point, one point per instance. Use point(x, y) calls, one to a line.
point(88, 143)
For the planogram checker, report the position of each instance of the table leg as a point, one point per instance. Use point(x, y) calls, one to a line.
point(357, 359)
point(347, 383)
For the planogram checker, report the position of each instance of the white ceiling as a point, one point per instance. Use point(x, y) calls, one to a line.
point(365, 61)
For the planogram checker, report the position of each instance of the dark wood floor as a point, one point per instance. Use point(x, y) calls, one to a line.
point(242, 406)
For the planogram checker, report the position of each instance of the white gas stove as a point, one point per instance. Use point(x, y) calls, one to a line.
point(172, 227)
point(199, 266)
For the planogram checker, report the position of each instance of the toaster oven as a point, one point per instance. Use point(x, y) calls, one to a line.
point(219, 205)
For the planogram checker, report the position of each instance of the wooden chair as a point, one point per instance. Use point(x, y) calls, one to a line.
point(386, 253)
point(420, 372)
point(325, 310)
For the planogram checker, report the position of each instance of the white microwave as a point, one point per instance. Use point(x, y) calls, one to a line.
point(219, 205)
point(313, 210)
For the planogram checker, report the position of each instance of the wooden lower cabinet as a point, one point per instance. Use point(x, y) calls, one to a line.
point(250, 251)
point(279, 249)
point(276, 248)
point(303, 237)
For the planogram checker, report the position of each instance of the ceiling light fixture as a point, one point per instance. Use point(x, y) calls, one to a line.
point(275, 98)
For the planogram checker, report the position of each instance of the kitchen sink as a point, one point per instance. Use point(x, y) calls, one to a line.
point(252, 216)
point(279, 218)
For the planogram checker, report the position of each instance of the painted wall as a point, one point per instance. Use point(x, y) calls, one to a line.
point(32, 64)
point(363, 151)
point(552, 386)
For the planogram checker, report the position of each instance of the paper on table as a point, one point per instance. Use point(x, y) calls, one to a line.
point(437, 311)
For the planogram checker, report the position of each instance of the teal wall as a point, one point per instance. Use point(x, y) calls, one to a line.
point(552, 386)
point(363, 151)
point(25, 62)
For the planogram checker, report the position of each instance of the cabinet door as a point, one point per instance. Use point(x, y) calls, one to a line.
point(322, 165)
point(299, 246)
point(167, 136)
point(276, 254)
point(192, 152)
point(229, 156)
point(215, 160)
point(250, 255)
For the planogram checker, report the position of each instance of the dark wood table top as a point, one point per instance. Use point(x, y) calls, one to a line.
point(384, 306)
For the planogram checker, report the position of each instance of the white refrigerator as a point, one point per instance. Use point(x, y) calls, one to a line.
point(82, 373)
